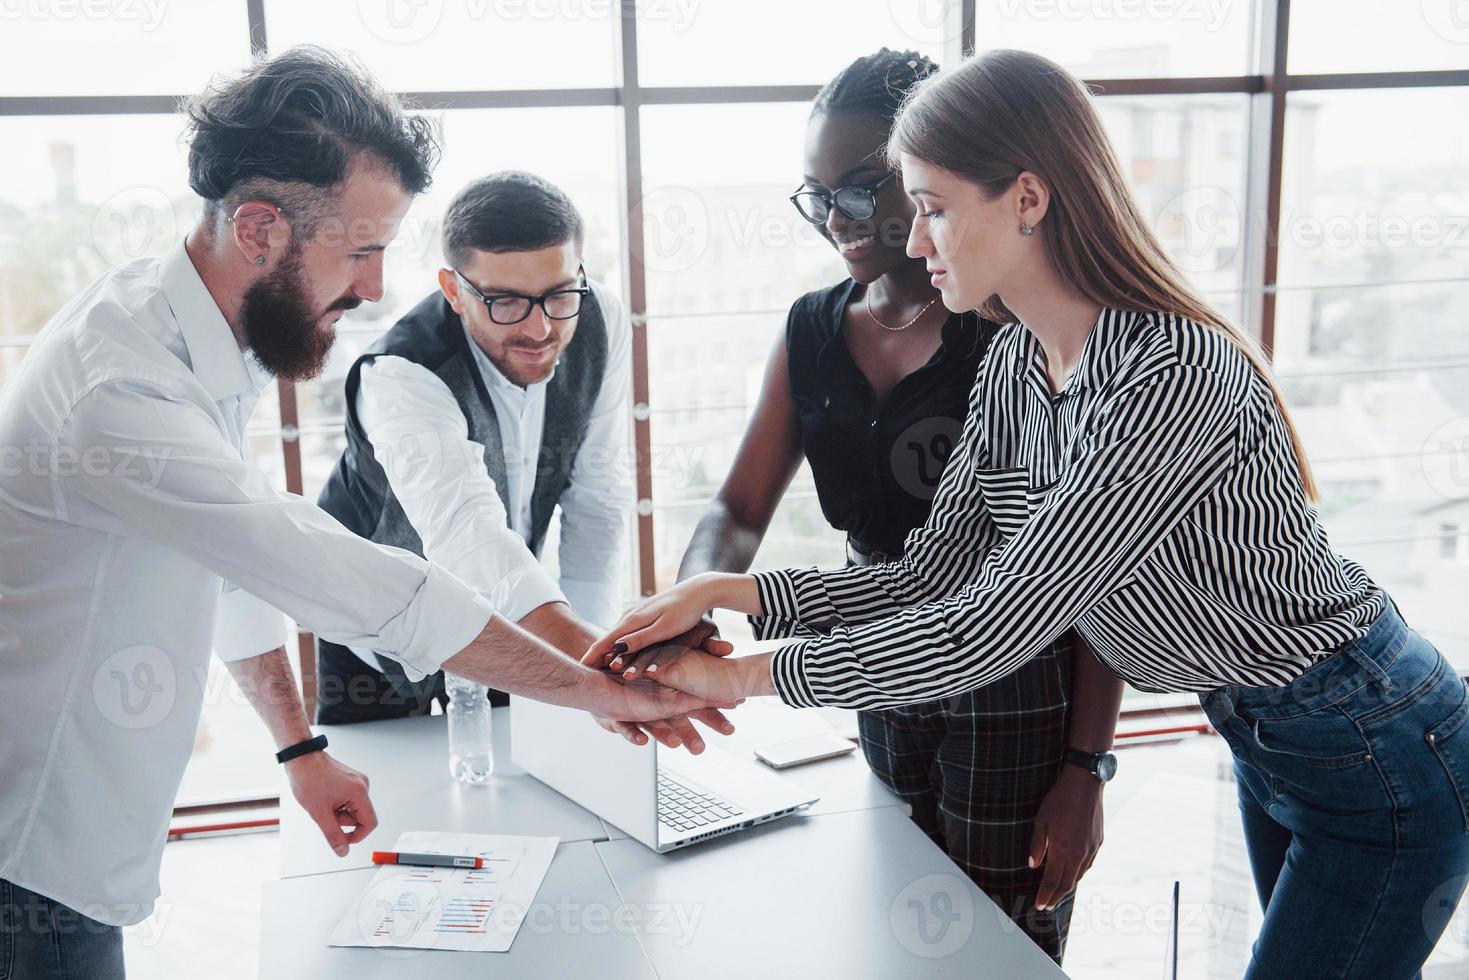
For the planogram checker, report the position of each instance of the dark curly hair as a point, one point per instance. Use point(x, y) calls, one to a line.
point(875, 84)
point(290, 127)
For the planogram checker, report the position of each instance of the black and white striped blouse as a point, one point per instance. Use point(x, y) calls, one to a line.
point(1154, 503)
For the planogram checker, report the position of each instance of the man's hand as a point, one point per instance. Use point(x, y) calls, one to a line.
point(644, 701)
point(679, 729)
point(335, 796)
point(1068, 834)
point(671, 732)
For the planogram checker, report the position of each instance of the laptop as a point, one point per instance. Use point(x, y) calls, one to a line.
point(665, 798)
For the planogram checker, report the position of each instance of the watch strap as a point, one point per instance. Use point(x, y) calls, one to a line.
point(301, 748)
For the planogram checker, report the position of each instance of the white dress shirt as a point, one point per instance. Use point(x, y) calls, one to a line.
point(125, 504)
point(454, 504)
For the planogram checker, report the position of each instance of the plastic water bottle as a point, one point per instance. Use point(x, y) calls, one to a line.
point(471, 752)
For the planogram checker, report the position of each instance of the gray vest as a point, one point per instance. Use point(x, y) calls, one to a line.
point(431, 334)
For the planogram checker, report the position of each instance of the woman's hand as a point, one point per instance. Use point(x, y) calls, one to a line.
point(704, 636)
point(662, 618)
point(719, 678)
point(1068, 834)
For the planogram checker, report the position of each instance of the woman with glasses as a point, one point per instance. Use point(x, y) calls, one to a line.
point(869, 382)
point(1128, 469)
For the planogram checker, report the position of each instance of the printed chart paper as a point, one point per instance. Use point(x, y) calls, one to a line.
point(478, 910)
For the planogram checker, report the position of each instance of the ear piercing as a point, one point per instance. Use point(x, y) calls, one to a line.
point(1027, 230)
point(259, 260)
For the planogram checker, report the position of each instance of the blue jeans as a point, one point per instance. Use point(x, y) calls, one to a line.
point(44, 940)
point(1354, 788)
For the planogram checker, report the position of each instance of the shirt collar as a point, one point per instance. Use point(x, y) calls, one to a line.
point(214, 355)
point(1099, 355)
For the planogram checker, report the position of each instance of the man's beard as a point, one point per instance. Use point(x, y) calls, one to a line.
point(520, 374)
point(279, 324)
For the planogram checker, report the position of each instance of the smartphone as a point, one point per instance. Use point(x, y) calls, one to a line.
point(811, 748)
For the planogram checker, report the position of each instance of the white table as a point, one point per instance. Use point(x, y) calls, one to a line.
point(850, 888)
point(858, 894)
point(407, 762)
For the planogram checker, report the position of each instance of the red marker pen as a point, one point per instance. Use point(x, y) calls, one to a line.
point(426, 860)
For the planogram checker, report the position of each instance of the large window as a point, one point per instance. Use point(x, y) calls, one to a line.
point(1306, 171)
point(1370, 338)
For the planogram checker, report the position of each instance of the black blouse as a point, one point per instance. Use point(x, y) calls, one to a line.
point(877, 469)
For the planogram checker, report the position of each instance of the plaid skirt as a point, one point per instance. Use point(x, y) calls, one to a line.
point(974, 768)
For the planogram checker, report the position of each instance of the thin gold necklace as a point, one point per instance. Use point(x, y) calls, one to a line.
point(868, 296)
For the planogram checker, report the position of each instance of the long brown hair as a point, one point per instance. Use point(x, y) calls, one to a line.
point(1005, 112)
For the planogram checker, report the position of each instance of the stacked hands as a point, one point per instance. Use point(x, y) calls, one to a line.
point(668, 647)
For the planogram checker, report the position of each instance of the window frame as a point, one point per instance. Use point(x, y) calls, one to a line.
point(1268, 87)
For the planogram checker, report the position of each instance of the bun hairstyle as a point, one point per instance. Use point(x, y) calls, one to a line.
point(876, 84)
point(1005, 112)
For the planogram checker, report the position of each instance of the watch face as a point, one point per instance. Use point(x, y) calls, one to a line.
point(1106, 766)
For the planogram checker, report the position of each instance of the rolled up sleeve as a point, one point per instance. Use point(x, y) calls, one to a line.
point(196, 495)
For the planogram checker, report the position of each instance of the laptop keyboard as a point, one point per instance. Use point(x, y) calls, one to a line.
point(683, 808)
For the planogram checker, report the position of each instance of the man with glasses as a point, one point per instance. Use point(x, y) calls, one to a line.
point(495, 401)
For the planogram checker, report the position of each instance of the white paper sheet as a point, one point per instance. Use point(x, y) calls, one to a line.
point(450, 908)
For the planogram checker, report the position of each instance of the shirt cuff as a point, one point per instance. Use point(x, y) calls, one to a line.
point(444, 617)
point(778, 628)
point(522, 589)
point(790, 597)
point(596, 602)
point(246, 626)
point(788, 673)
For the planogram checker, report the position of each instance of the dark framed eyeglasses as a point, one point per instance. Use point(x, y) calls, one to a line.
point(508, 308)
point(856, 201)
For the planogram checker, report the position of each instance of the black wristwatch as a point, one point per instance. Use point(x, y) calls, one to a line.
point(1102, 765)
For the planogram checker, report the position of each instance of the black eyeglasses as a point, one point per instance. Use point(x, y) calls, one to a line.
point(856, 201)
point(508, 308)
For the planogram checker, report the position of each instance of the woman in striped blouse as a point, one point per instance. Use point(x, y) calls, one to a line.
point(1128, 469)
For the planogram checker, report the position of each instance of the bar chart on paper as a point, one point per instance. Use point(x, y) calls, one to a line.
point(478, 909)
